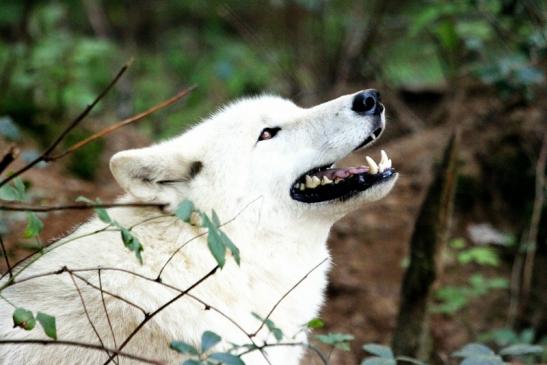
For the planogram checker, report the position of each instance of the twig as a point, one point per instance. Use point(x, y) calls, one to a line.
point(50, 208)
point(531, 240)
point(107, 292)
point(318, 352)
point(80, 344)
point(87, 312)
point(285, 295)
point(5, 253)
point(45, 155)
point(122, 123)
point(105, 309)
point(162, 307)
point(8, 158)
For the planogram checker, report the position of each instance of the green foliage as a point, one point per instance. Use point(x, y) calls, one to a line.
point(204, 356)
point(274, 330)
point(34, 226)
point(338, 340)
point(48, 324)
point(480, 255)
point(315, 324)
point(454, 298)
point(384, 356)
point(479, 354)
point(184, 210)
point(25, 319)
point(130, 241)
point(15, 191)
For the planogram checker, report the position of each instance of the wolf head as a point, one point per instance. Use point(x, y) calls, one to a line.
point(268, 149)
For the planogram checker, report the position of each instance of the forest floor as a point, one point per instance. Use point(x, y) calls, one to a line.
point(369, 246)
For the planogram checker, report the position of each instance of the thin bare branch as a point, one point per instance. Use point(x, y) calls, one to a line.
point(285, 295)
point(108, 292)
point(51, 208)
point(122, 123)
point(5, 254)
point(45, 155)
point(86, 311)
point(158, 310)
point(105, 309)
point(8, 158)
point(79, 344)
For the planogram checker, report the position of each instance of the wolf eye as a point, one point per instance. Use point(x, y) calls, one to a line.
point(268, 133)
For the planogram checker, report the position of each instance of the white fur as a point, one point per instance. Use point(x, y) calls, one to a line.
point(280, 239)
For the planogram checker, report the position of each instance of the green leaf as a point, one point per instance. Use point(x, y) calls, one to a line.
point(522, 349)
point(410, 360)
point(215, 219)
point(215, 241)
point(378, 361)
point(338, 340)
point(48, 324)
point(480, 255)
point(473, 349)
point(378, 350)
point(23, 318)
point(231, 246)
point(132, 243)
point(13, 192)
point(276, 331)
point(208, 340)
point(34, 225)
point(101, 212)
point(315, 323)
point(191, 362)
point(183, 348)
point(482, 360)
point(184, 210)
point(226, 358)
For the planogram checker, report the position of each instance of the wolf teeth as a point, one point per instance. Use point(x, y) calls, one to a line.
point(373, 167)
point(326, 181)
point(312, 182)
point(384, 161)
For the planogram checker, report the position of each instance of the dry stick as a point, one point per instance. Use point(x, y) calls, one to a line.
point(5, 253)
point(109, 293)
point(165, 305)
point(285, 295)
point(531, 240)
point(86, 312)
point(105, 309)
point(300, 344)
point(50, 208)
point(80, 344)
point(45, 155)
point(122, 123)
point(8, 158)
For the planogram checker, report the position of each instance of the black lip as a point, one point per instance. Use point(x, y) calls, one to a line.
point(344, 190)
point(371, 138)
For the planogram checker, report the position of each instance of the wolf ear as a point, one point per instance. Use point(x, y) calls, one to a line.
point(149, 174)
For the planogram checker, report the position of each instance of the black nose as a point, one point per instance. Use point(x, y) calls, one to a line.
point(367, 103)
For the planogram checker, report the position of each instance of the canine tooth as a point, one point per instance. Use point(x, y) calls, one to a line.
point(384, 157)
point(388, 163)
point(373, 166)
point(326, 181)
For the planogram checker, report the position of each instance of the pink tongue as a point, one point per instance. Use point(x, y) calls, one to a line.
point(341, 173)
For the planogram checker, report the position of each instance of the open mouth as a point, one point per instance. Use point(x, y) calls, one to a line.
point(327, 183)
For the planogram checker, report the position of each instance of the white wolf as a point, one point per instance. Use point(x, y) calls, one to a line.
point(263, 161)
